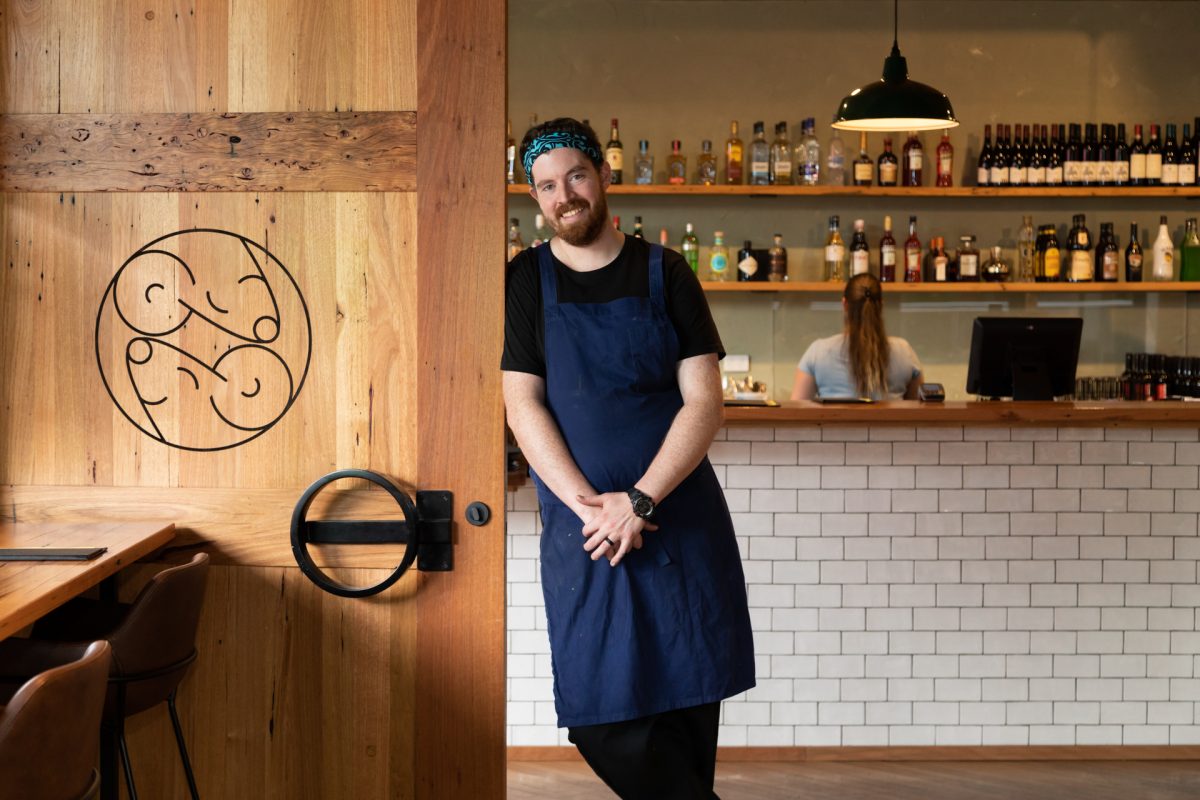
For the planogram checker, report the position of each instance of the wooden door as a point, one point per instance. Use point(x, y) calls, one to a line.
point(246, 244)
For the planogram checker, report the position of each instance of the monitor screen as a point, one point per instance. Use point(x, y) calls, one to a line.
point(1025, 358)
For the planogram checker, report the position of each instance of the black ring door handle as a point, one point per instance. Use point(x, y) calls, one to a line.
point(425, 532)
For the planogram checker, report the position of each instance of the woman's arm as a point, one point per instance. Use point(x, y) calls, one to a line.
point(805, 387)
point(910, 391)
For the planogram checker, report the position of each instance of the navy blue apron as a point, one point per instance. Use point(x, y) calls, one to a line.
point(668, 627)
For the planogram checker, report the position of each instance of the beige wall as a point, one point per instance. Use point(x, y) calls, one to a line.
point(681, 69)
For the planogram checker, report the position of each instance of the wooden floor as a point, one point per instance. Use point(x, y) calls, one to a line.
point(976, 780)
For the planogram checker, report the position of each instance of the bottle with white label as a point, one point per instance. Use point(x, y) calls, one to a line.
point(1162, 254)
point(760, 158)
point(968, 259)
point(781, 157)
point(1154, 158)
point(1170, 158)
point(808, 155)
point(1121, 158)
point(860, 251)
point(835, 252)
point(887, 253)
point(1080, 267)
point(747, 266)
point(1137, 158)
point(864, 167)
point(938, 260)
point(1187, 158)
point(718, 259)
point(614, 154)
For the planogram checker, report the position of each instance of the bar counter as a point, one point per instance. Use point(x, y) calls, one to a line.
point(1112, 413)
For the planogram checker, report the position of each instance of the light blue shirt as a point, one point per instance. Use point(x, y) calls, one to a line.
point(828, 362)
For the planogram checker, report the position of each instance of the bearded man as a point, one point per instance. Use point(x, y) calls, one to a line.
point(612, 388)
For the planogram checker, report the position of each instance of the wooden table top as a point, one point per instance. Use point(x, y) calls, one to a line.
point(1106, 413)
point(31, 589)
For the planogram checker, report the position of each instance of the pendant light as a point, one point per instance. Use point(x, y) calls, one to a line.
point(895, 103)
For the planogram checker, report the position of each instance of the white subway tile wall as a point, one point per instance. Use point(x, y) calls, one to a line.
point(939, 586)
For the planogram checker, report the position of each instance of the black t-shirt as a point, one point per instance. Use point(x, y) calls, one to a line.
point(627, 276)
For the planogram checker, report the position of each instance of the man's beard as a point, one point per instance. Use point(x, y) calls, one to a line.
point(587, 226)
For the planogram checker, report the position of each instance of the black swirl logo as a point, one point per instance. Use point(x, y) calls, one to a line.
point(203, 339)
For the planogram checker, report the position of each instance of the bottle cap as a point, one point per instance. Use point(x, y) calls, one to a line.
point(887, 222)
point(643, 145)
point(637, 220)
point(718, 234)
point(516, 222)
point(746, 245)
point(834, 220)
point(858, 224)
point(689, 227)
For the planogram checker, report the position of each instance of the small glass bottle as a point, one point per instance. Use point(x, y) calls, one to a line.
point(914, 161)
point(945, 161)
point(747, 265)
point(1108, 255)
point(1049, 256)
point(540, 232)
point(996, 270)
point(510, 156)
point(808, 155)
point(718, 259)
point(860, 251)
point(968, 259)
point(912, 254)
point(643, 165)
point(614, 154)
point(676, 164)
point(760, 158)
point(690, 247)
point(1025, 247)
point(777, 261)
point(938, 261)
point(835, 253)
point(887, 253)
point(515, 245)
point(781, 157)
point(889, 166)
point(1133, 256)
point(733, 156)
point(835, 161)
point(1189, 253)
point(706, 165)
point(864, 167)
point(1162, 267)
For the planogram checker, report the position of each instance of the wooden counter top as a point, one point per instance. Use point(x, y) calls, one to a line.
point(911, 412)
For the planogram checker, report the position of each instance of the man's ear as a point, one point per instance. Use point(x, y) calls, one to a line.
point(605, 174)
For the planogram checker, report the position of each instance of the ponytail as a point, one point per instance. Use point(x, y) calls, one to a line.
point(865, 337)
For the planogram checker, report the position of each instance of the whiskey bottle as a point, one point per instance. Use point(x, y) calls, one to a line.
point(1048, 266)
point(733, 156)
point(889, 165)
point(676, 164)
point(1080, 268)
point(643, 165)
point(860, 251)
point(835, 253)
point(968, 259)
point(781, 157)
point(1108, 267)
point(938, 261)
point(864, 167)
point(1133, 256)
point(706, 165)
point(614, 154)
point(760, 158)
point(510, 156)
point(777, 261)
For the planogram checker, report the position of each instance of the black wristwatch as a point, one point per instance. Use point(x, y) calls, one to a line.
point(643, 505)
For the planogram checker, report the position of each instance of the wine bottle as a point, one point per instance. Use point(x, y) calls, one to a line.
point(1137, 158)
point(1073, 158)
point(1187, 158)
point(860, 251)
point(1000, 154)
point(1036, 171)
point(733, 156)
point(1017, 164)
point(1154, 158)
point(614, 154)
point(1133, 256)
point(864, 167)
point(1121, 158)
point(1105, 158)
point(1054, 165)
point(914, 161)
point(1089, 157)
point(912, 254)
point(887, 253)
point(1170, 158)
point(983, 175)
point(889, 166)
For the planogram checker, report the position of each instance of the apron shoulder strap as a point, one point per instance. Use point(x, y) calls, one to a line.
point(657, 295)
point(546, 272)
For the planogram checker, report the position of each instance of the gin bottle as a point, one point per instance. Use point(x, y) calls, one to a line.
point(781, 157)
point(835, 161)
point(808, 155)
point(760, 158)
point(643, 165)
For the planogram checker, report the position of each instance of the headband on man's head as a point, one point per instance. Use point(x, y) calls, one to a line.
point(552, 140)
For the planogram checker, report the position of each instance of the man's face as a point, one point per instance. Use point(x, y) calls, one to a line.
point(570, 191)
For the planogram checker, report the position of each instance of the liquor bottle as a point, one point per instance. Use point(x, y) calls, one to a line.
point(999, 173)
point(1107, 147)
point(1080, 268)
point(887, 253)
point(1036, 171)
point(1154, 158)
point(1048, 266)
point(912, 254)
point(777, 261)
point(760, 158)
point(1108, 267)
point(663, 237)
point(1170, 158)
point(835, 161)
point(1054, 164)
point(1189, 253)
point(718, 259)
point(1025, 250)
point(1162, 263)
point(1137, 158)
point(1121, 158)
point(690, 247)
point(860, 251)
point(996, 270)
point(835, 253)
point(676, 164)
point(1187, 158)
point(1089, 157)
point(1126, 379)
point(938, 260)
point(781, 157)
point(864, 167)
point(1133, 256)
point(614, 154)
point(747, 264)
point(889, 165)
point(914, 161)
point(515, 245)
point(983, 175)
point(1073, 158)
point(616, 221)
point(945, 161)
point(706, 165)
point(968, 259)
point(733, 156)
point(643, 165)
point(540, 232)
point(510, 156)
point(808, 155)
point(637, 228)
point(1017, 165)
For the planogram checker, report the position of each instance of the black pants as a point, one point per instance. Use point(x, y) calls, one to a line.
point(668, 756)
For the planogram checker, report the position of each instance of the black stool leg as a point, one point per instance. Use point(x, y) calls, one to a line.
point(128, 766)
point(110, 787)
point(183, 755)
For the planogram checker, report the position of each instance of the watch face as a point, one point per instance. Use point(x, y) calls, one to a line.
point(642, 506)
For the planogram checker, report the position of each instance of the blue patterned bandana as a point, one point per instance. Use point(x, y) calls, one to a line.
point(553, 140)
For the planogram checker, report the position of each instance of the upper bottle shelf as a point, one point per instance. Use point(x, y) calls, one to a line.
point(697, 190)
point(979, 287)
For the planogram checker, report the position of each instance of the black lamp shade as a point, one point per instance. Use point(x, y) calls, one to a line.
point(895, 103)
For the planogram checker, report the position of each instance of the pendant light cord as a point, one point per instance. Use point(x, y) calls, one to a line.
point(895, 27)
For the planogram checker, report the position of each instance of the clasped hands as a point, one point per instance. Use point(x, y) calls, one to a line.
point(611, 529)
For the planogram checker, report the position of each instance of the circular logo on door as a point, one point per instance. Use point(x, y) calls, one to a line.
point(203, 339)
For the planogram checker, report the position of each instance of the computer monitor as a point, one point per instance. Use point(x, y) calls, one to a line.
point(1025, 358)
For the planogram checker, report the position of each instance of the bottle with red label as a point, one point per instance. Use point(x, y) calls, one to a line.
point(945, 161)
point(912, 254)
point(914, 158)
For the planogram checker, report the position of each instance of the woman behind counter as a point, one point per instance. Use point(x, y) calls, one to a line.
point(862, 360)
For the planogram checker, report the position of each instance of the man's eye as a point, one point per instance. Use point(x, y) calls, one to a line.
point(547, 187)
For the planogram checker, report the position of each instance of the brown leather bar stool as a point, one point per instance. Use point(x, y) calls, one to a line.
point(48, 731)
point(153, 643)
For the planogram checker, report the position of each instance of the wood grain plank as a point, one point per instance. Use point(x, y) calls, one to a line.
point(294, 151)
point(460, 219)
point(1108, 413)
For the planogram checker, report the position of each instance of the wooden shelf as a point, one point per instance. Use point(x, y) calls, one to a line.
point(692, 190)
point(832, 287)
point(1110, 413)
